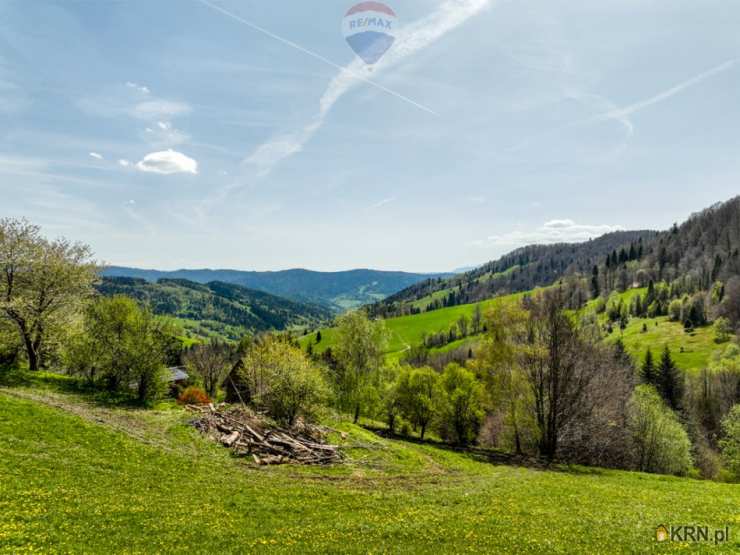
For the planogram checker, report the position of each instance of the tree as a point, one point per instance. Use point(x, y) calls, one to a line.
point(280, 379)
point(461, 413)
point(210, 362)
point(730, 442)
point(499, 363)
point(477, 319)
point(420, 395)
point(122, 345)
point(648, 372)
point(670, 380)
point(730, 307)
point(595, 288)
point(390, 396)
point(722, 330)
point(43, 284)
point(560, 367)
point(359, 353)
point(659, 443)
point(462, 325)
point(318, 336)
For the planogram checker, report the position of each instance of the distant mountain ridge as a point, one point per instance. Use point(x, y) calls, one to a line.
point(217, 308)
point(336, 290)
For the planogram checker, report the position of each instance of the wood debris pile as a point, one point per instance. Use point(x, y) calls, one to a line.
point(247, 434)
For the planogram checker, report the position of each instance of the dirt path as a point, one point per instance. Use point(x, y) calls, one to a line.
point(149, 427)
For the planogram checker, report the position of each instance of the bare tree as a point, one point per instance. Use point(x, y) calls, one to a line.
point(210, 362)
point(558, 372)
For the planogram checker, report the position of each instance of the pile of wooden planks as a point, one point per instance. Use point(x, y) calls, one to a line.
point(247, 434)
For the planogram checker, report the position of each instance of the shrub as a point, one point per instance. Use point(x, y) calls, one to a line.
point(660, 443)
point(730, 442)
point(281, 380)
point(722, 330)
point(193, 395)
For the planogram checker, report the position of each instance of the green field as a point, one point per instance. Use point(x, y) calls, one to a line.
point(408, 331)
point(691, 351)
point(84, 477)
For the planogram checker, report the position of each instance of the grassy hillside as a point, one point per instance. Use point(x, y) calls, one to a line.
point(79, 477)
point(216, 308)
point(691, 351)
point(407, 331)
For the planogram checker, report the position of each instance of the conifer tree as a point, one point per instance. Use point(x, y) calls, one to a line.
point(670, 382)
point(648, 369)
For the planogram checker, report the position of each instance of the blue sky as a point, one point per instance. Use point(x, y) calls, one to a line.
point(246, 134)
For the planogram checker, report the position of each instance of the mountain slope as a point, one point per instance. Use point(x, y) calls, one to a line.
point(338, 290)
point(521, 270)
point(223, 308)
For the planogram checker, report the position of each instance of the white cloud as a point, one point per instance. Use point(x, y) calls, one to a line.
point(124, 163)
point(167, 162)
point(160, 108)
point(164, 135)
point(553, 231)
point(96, 156)
point(139, 88)
point(382, 203)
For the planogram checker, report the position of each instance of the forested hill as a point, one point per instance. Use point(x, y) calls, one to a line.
point(223, 308)
point(521, 270)
point(337, 290)
point(703, 250)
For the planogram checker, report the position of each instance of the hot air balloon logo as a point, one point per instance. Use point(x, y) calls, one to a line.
point(369, 28)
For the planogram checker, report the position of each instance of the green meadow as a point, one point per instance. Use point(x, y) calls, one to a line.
point(406, 331)
point(80, 476)
point(691, 350)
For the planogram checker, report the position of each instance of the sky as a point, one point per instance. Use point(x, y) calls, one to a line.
point(247, 134)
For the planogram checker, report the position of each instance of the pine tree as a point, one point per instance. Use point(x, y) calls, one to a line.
point(650, 296)
point(648, 369)
point(318, 337)
point(670, 383)
point(595, 289)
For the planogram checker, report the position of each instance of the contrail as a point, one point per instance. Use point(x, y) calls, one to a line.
point(315, 55)
point(638, 106)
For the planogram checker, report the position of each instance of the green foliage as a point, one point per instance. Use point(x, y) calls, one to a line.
point(722, 330)
point(420, 396)
point(43, 286)
point(659, 441)
point(217, 309)
point(648, 371)
point(282, 381)
point(461, 413)
point(730, 442)
point(360, 344)
point(670, 380)
point(121, 345)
